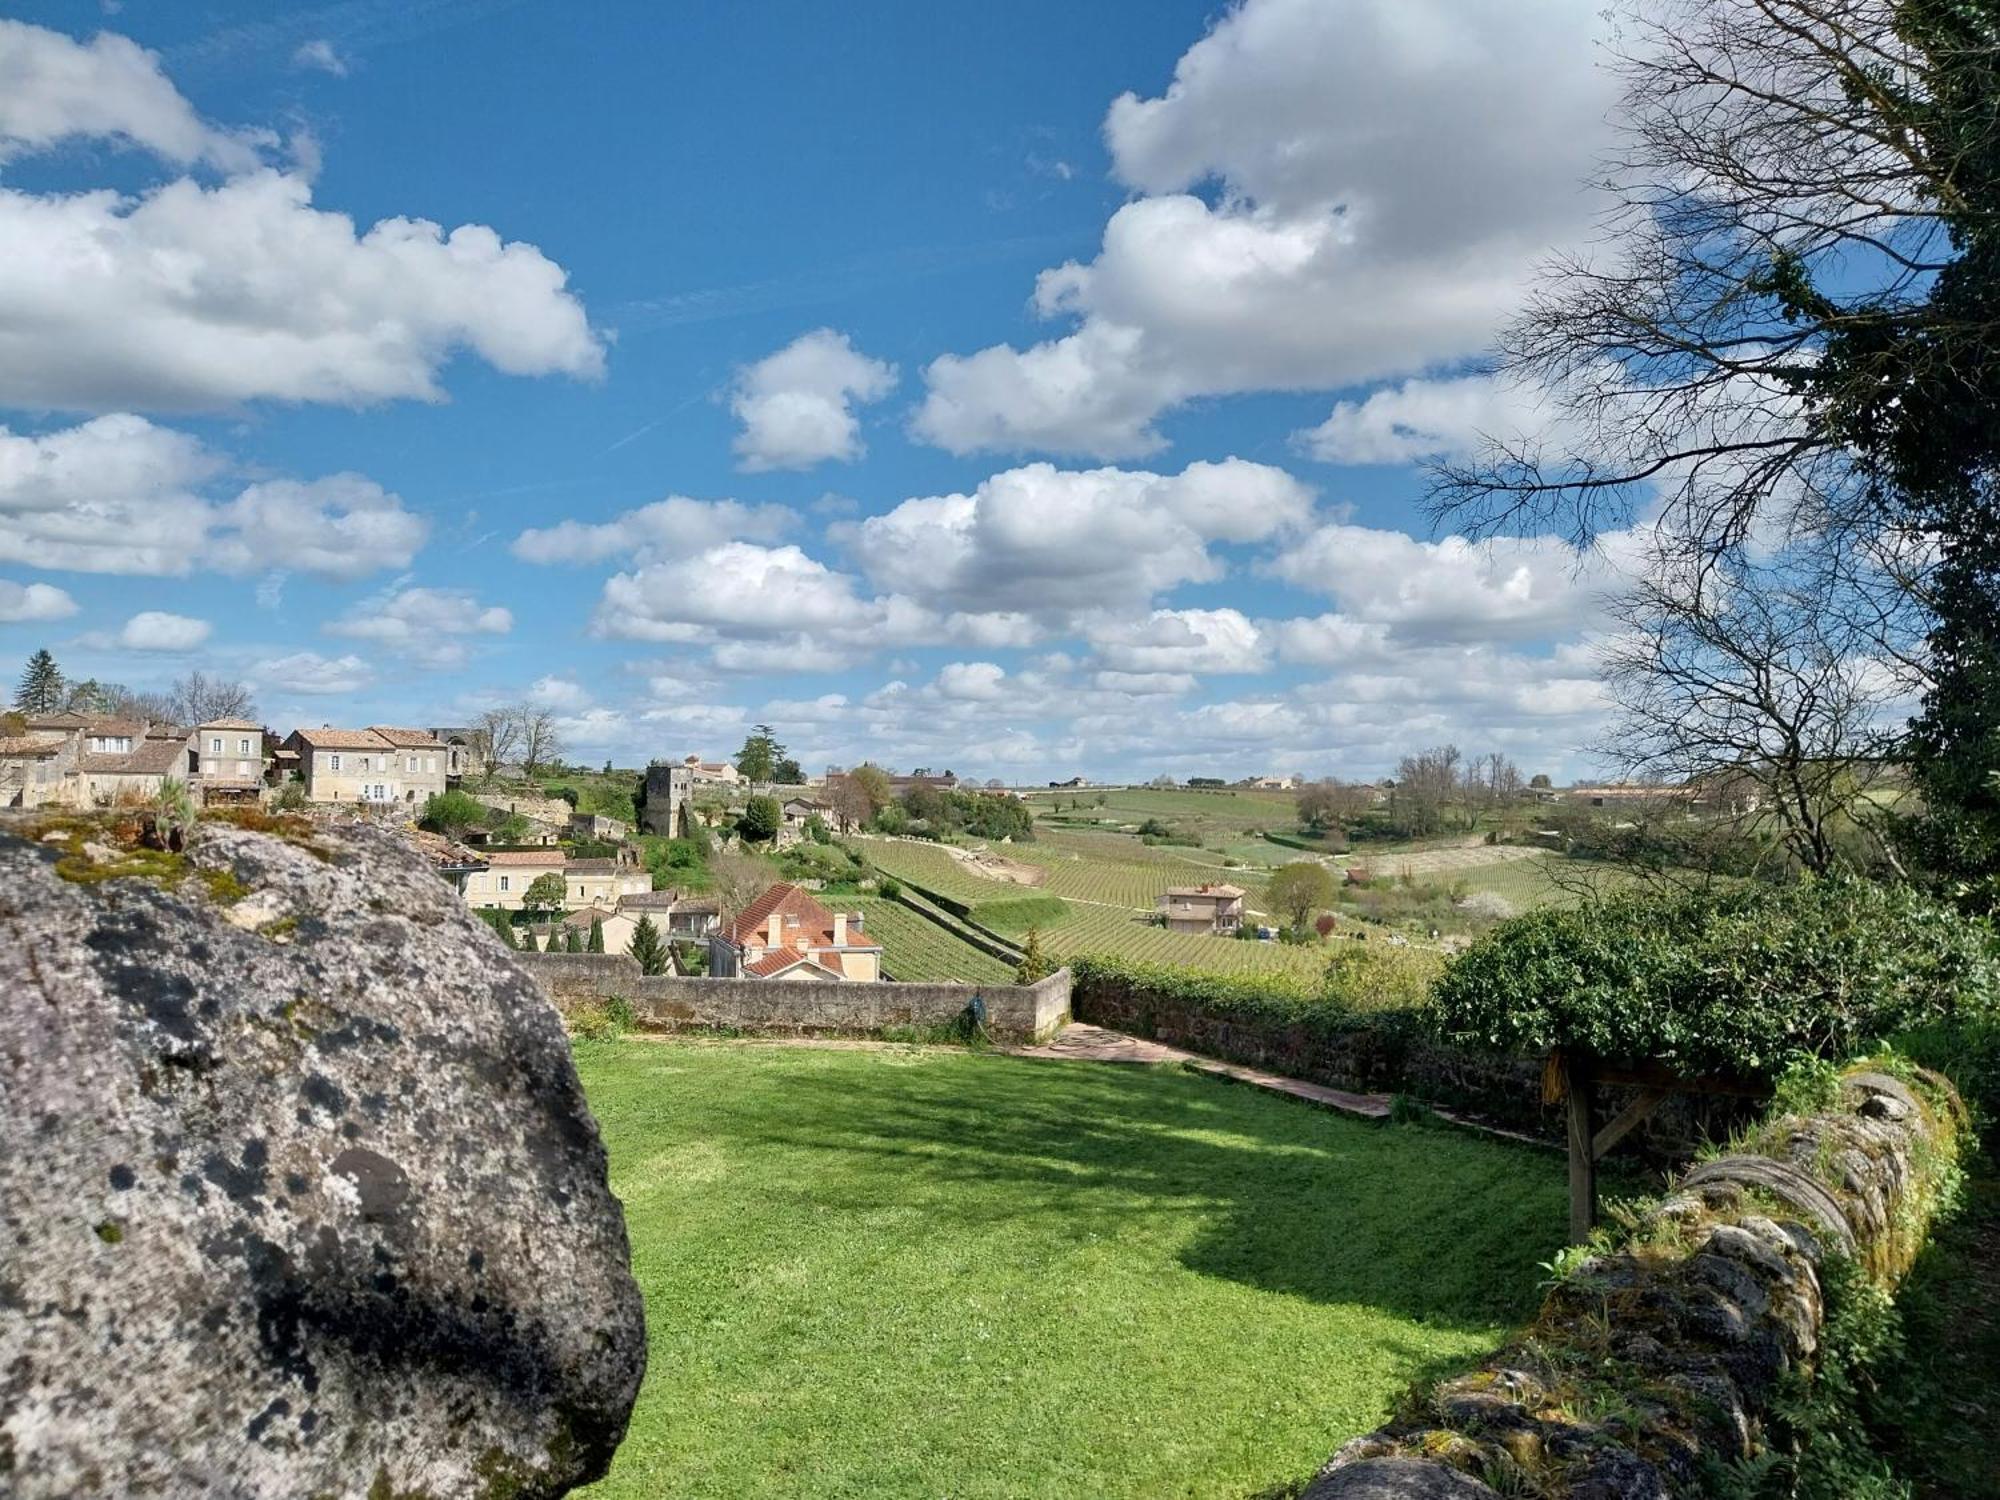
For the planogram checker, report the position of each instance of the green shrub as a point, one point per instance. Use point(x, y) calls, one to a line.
point(888, 888)
point(451, 813)
point(1739, 981)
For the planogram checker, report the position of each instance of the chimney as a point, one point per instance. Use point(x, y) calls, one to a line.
point(840, 929)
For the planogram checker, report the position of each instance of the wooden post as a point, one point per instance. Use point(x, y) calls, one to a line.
point(1582, 1150)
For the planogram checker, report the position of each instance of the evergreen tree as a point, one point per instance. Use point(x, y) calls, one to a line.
point(596, 942)
point(41, 689)
point(758, 760)
point(1034, 963)
point(573, 943)
point(647, 947)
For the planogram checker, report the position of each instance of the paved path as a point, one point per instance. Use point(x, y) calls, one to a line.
point(1084, 1043)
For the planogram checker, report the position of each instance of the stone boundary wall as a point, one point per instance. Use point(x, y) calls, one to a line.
point(1387, 1052)
point(1014, 1013)
point(1652, 1363)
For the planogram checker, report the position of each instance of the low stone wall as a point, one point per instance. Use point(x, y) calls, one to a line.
point(1388, 1052)
point(1651, 1365)
point(798, 1006)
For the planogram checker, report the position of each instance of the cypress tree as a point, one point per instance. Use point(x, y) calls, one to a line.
point(596, 943)
point(573, 942)
point(647, 947)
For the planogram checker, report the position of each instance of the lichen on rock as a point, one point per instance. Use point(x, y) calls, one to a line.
point(301, 1194)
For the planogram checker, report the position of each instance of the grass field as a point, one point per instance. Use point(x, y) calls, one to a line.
point(933, 1272)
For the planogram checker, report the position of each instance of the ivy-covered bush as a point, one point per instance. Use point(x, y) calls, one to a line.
point(1736, 981)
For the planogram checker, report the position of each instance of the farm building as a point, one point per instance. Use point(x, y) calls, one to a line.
point(1202, 908)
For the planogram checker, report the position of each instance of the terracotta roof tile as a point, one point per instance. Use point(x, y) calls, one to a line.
point(408, 739)
point(553, 858)
point(326, 738)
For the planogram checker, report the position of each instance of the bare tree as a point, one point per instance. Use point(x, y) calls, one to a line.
point(739, 879)
point(498, 733)
point(1758, 700)
point(198, 698)
point(541, 742)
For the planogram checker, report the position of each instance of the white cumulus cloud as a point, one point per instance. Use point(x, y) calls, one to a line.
point(666, 528)
point(425, 625)
point(310, 673)
point(119, 494)
point(156, 630)
point(23, 603)
point(1386, 174)
point(54, 88)
point(191, 297)
point(797, 405)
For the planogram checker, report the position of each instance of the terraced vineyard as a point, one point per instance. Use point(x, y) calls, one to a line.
point(1104, 929)
point(1111, 881)
point(915, 948)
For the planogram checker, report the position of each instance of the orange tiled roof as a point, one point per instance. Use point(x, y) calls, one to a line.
point(408, 739)
point(326, 738)
point(524, 857)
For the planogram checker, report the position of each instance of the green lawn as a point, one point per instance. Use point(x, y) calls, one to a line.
point(931, 1272)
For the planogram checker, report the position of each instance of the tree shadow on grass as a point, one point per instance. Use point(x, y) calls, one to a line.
point(1422, 1222)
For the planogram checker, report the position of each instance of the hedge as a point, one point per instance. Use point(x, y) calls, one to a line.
point(1737, 981)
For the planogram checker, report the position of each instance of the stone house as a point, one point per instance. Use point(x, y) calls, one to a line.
point(464, 751)
point(1214, 909)
point(133, 775)
point(712, 772)
point(507, 875)
point(380, 764)
point(601, 882)
point(225, 760)
point(786, 934)
point(37, 768)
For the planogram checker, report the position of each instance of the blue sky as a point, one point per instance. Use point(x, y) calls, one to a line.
point(1029, 389)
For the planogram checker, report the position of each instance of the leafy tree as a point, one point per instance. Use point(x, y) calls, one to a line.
point(1034, 963)
point(789, 772)
point(761, 819)
point(758, 760)
point(41, 689)
point(817, 831)
point(1324, 924)
point(647, 946)
point(874, 784)
point(1299, 889)
point(595, 943)
point(544, 893)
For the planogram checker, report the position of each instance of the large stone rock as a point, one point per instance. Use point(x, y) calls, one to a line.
point(304, 1203)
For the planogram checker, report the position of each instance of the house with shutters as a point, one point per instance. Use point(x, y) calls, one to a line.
point(786, 934)
point(379, 764)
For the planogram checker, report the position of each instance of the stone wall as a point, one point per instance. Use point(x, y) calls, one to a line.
point(1653, 1364)
point(1388, 1052)
point(798, 1006)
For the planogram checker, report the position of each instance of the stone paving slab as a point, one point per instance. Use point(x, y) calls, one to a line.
point(1085, 1043)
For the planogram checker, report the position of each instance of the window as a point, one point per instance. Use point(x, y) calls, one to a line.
point(579, 893)
point(243, 768)
point(410, 763)
point(242, 747)
point(333, 762)
point(215, 744)
point(364, 762)
point(503, 882)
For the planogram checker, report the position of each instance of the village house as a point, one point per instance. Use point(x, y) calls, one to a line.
point(600, 882)
point(712, 772)
point(379, 764)
point(226, 762)
point(507, 875)
point(1214, 909)
point(90, 760)
point(679, 919)
point(786, 934)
